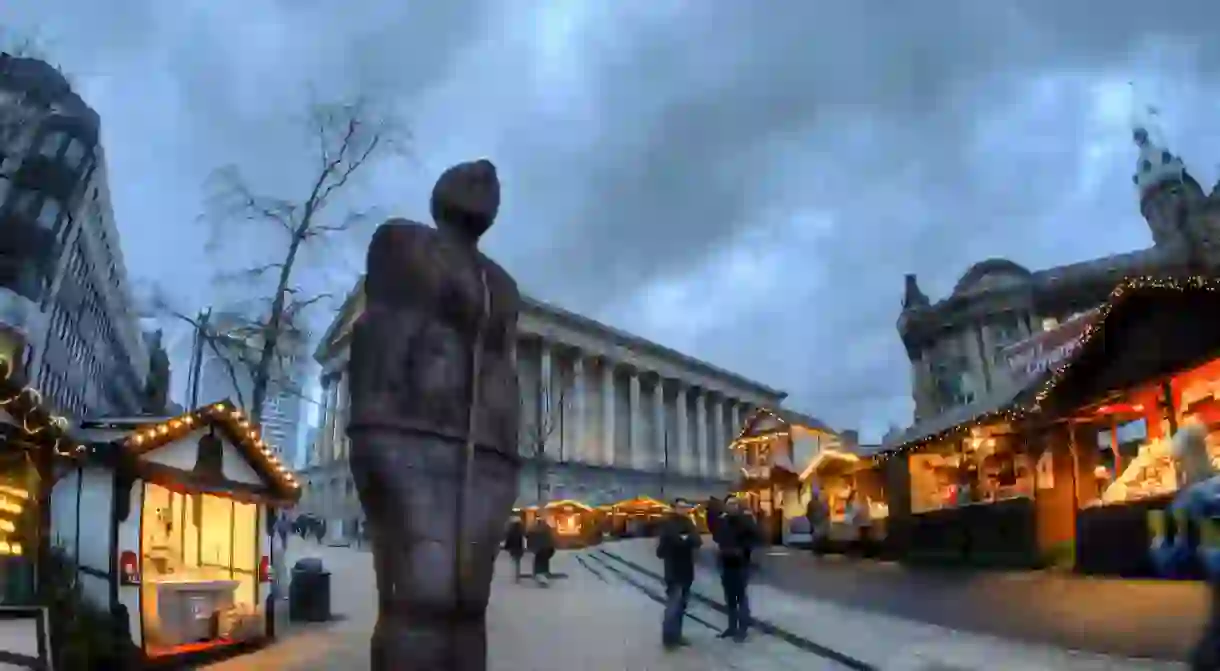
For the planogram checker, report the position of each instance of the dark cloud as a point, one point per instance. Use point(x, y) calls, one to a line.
point(744, 181)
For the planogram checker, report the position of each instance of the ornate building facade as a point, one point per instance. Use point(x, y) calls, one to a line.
point(606, 415)
point(964, 349)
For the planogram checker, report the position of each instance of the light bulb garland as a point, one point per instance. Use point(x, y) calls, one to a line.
point(1017, 411)
point(243, 432)
point(26, 406)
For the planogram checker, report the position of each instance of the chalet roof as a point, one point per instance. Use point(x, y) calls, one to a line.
point(138, 436)
point(784, 416)
point(1149, 327)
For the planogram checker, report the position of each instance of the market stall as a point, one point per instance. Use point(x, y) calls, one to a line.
point(963, 489)
point(575, 523)
point(35, 449)
point(837, 474)
point(766, 449)
point(1150, 363)
point(189, 501)
point(637, 517)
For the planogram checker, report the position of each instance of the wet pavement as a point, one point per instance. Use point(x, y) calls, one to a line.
point(1145, 619)
point(590, 619)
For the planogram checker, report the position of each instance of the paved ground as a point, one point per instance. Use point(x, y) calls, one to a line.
point(1153, 619)
point(882, 641)
point(591, 620)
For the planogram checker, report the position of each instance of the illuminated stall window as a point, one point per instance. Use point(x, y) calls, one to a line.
point(981, 467)
point(199, 550)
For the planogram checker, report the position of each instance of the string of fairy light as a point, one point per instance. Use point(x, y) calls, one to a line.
point(25, 405)
point(242, 429)
point(1040, 399)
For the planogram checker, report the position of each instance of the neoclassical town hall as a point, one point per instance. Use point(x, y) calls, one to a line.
point(606, 415)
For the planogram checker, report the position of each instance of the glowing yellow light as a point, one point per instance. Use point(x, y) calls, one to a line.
point(14, 491)
point(137, 439)
point(163, 429)
point(219, 407)
point(175, 424)
point(188, 420)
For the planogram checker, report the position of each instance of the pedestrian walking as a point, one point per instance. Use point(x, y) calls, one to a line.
point(818, 515)
point(860, 518)
point(283, 526)
point(514, 543)
point(1189, 537)
point(541, 540)
point(679, 541)
point(737, 536)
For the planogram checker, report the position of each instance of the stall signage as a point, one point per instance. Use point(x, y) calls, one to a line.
point(1037, 354)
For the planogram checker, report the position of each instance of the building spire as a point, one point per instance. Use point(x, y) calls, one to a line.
point(1156, 165)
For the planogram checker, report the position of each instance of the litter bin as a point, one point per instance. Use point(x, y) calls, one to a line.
point(309, 592)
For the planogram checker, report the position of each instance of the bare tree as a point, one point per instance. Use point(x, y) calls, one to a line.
point(230, 337)
point(541, 418)
point(347, 140)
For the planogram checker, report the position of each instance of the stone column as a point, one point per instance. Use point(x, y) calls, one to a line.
point(681, 446)
point(701, 446)
point(548, 396)
point(735, 427)
point(607, 451)
point(580, 416)
point(719, 441)
point(658, 425)
point(635, 448)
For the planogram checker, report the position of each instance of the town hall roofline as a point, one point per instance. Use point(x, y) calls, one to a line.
point(580, 322)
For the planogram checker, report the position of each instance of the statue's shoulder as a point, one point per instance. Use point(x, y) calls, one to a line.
point(402, 265)
point(501, 281)
point(405, 235)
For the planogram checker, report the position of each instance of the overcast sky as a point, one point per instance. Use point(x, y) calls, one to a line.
point(743, 181)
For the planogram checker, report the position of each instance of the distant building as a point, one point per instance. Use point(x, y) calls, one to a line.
point(156, 390)
point(66, 310)
point(282, 411)
point(629, 417)
point(1003, 324)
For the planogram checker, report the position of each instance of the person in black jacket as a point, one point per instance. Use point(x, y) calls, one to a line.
point(514, 542)
point(676, 547)
point(541, 541)
point(736, 537)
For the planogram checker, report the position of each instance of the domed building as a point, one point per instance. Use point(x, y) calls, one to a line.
point(971, 351)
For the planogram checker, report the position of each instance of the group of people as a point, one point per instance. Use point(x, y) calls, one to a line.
point(539, 540)
point(857, 515)
point(736, 534)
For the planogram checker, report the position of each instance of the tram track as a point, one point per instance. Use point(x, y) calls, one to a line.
point(652, 592)
point(627, 571)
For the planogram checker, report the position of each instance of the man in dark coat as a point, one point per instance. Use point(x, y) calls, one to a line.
point(676, 547)
point(818, 515)
point(541, 541)
point(514, 542)
point(736, 537)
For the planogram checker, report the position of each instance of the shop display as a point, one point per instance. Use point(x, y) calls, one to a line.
point(199, 563)
point(1151, 473)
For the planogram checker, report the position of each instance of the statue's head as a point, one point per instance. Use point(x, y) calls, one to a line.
point(466, 198)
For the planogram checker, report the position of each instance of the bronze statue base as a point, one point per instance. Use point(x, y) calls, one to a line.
point(431, 614)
